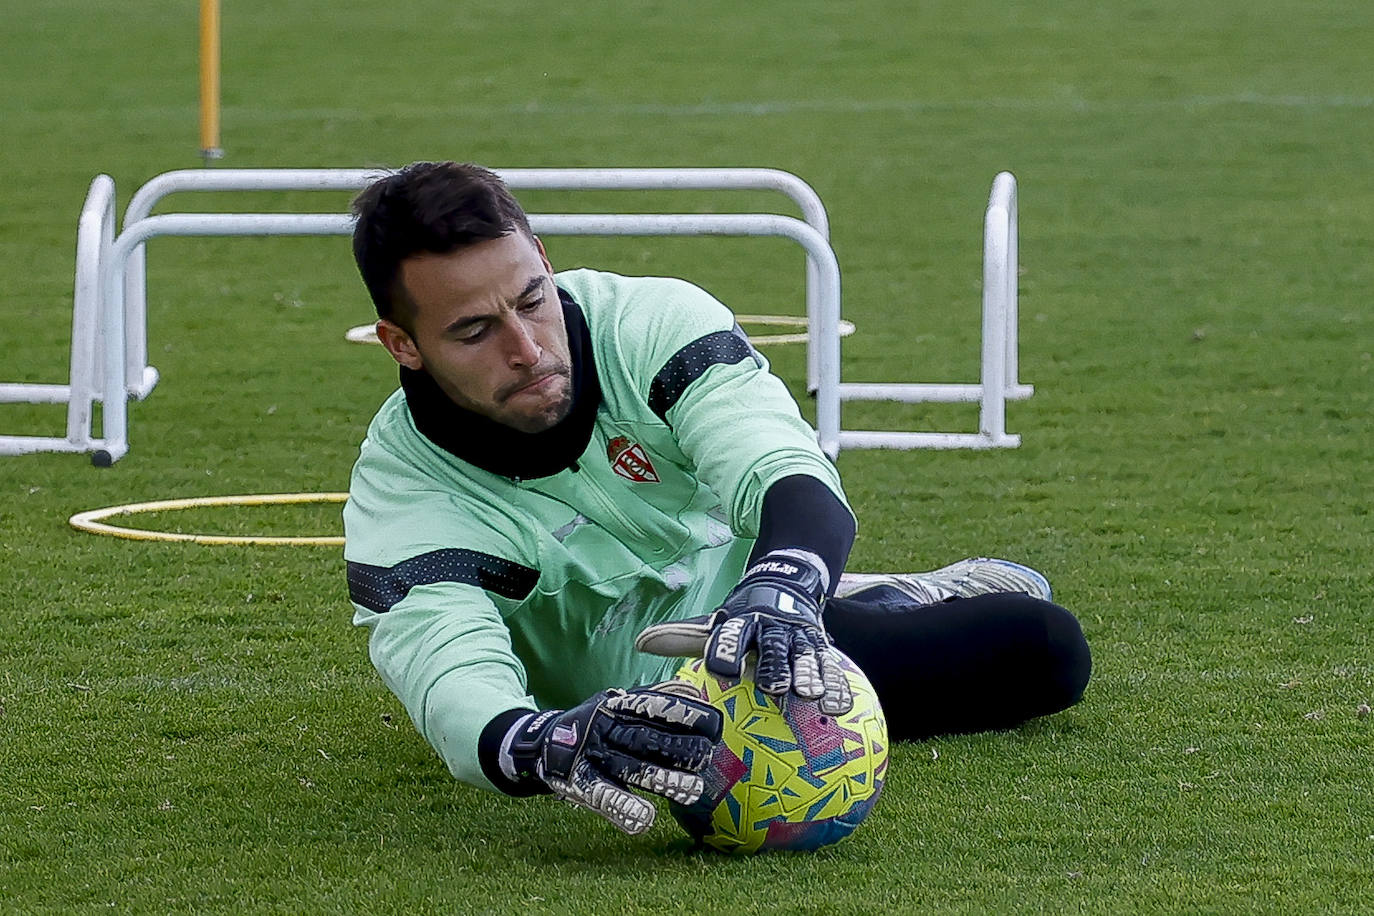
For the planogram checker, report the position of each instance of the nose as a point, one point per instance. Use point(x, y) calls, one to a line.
point(522, 349)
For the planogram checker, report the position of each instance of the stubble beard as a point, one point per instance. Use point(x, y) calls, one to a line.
point(548, 416)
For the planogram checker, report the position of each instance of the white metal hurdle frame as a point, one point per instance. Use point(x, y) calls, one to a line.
point(94, 239)
point(110, 298)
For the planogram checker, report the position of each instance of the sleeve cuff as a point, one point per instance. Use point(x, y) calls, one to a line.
point(489, 745)
point(801, 513)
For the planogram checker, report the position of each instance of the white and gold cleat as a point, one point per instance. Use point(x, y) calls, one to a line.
point(964, 579)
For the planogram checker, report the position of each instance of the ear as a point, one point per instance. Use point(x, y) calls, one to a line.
point(399, 344)
point(543, 256)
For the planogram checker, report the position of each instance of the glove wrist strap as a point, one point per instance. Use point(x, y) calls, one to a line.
point(524, 743)
point(801, 569)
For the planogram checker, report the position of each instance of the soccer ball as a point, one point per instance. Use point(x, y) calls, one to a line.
point(785, 775)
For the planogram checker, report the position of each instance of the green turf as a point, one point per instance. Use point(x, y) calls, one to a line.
point(189, 729)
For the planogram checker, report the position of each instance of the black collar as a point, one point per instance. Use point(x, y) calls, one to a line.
point(500, 449)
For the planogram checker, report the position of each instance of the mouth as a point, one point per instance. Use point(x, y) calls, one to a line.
point(536, 386)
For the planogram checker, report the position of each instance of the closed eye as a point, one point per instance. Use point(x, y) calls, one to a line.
point(471, 332)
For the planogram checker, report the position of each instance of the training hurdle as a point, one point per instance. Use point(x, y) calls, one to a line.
point(109, 318)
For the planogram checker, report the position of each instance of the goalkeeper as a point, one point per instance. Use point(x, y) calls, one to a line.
point(583, 477)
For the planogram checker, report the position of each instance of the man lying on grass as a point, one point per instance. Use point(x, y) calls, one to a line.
point(585, 476)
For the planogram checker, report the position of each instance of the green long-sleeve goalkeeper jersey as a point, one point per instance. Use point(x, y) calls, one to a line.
point(485, 592)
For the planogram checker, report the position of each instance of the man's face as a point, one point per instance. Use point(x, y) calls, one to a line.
point(488, 327)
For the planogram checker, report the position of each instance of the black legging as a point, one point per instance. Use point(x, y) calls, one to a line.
point(965, 665)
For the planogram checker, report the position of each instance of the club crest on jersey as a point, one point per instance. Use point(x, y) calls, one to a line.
point(629, 460)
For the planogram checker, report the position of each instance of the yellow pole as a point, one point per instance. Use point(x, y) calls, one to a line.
point(209, 81)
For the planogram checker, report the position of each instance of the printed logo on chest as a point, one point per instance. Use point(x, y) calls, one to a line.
point(629, 460)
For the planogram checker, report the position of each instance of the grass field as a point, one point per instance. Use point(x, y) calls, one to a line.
point(191, 729)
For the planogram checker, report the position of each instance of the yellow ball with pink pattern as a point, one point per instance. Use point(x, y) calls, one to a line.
point(785, 775)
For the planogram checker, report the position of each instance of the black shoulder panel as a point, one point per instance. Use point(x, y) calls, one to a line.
point(687, 365)
point(380, 588)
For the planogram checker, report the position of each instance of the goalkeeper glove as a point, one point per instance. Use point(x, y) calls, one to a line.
point(775, 612)
point(653, 738)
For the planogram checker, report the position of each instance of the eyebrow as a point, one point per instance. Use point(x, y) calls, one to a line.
point(530, 288)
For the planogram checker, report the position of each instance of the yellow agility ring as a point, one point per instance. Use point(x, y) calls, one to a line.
point(786, 321)
point(367, 333)
point(91, 520)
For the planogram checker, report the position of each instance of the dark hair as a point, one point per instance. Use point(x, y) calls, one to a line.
point(434, 207)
